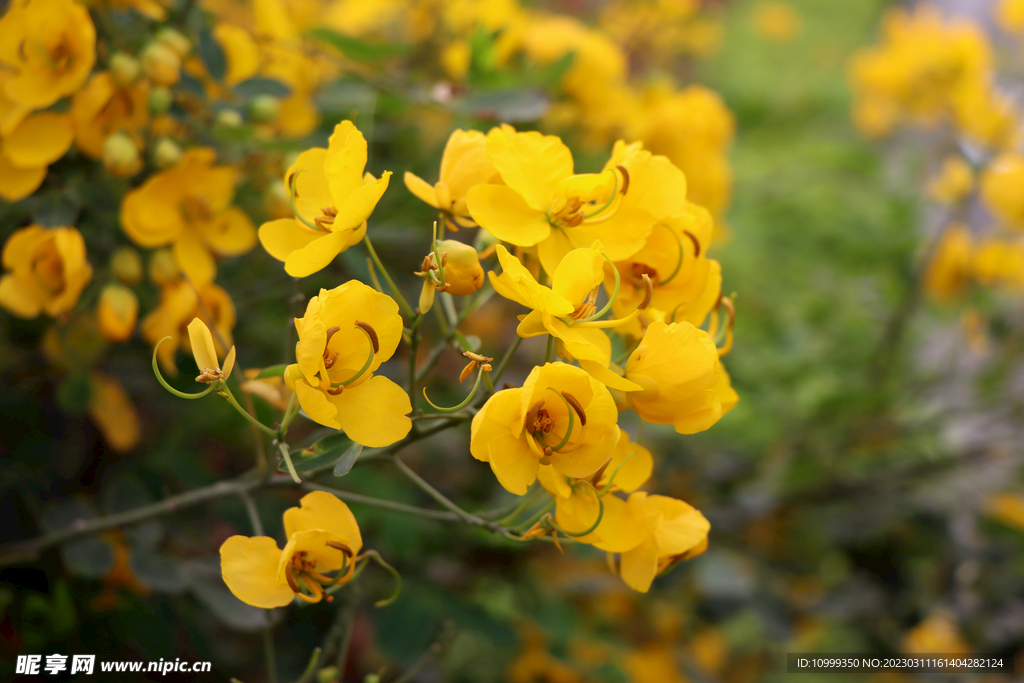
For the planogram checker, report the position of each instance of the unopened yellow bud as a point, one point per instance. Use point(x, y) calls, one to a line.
point(160, 100)
point(228, 118)
point(117, 312)
point(127, 265)
point(121, 155)
point(161, 64)
point(426, 296)
point(166, 153)
point(463, 271)
point(175, 40)
point(163, 267)
point(124, 69)
point(264, 109)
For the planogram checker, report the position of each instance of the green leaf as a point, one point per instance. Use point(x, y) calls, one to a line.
point(323, 453)
point(272, 371)
point(359, 50)
point(254, 87)
point(73, 394)
point(212, 55)
point(344, 465)
point(507, 105)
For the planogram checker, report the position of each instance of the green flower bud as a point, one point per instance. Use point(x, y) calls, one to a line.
point(127, 265)
point(166, 153)
point(160, 100)
point(264, 109)
point(124, 69)
point(121, 155)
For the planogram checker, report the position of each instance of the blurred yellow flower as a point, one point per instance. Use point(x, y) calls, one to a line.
point(674, 531)
point(47, 49)
point(323, 536)
point(1001, 185)
point(947, 273)
point(776, 21)
point(48, 271)
point(189, 207)
point(179, 304)
point(1009, 15)
point(345, 335)
point(999, 263)
point(28, 148)
point(1007, 507)
point(103, 107)
point(464, 164)
point(333, 200)
point(953, 182)
point(938, 632)
point(653, 663)
point(561, 416)
point(117, 312)
point(678, 369)
point(112, 411)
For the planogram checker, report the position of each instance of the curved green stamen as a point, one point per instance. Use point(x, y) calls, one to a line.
point(366, 365)
point(611, 480)
point(168, 387)
point(568, 432)
point(464, 403)
point(291, 198)
point(597, 522)
point(615, 194)
point(679, 264)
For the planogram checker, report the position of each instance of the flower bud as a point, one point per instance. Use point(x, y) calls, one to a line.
point(127, 265)
point(160, 100)
point(117, 313)
point(124, 69)
point(163, 267)
point(161, 64)
point(264, 109)
point(175, 40)
point(121, 155)
point(166, 153)
point(426, 297)
point(228, 118)
point(463, 271)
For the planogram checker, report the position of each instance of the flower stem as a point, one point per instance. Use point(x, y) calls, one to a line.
point(406, 308)
point(551, 346)
point(269, 655)
point(226, 393)
point(283, 447)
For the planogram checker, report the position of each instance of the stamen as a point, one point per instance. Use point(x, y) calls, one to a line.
point(338, 545)
point(696, 242)
point(531, 417)
point(625, 178)
point(289, 575)
point(576, 406)
point(293, 193)
point(336, 391)
point(371, 333)
point(682, 256)
point(648, 293)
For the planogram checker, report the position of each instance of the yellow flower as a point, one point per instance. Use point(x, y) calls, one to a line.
point(273, 390)
point(103, 107)
point(117, 312)
point(953, 182)
point(205, 353)
point(776, 21)
point(543, 203)
point(241, 52)
point(687, 284)
point(1010, 15)
point(999, 263)
point(561, 416)
point(47, 49)
point(938, 632)
point(674, 531)
point(323, 536)
point(563, 309)
point(947, 273)
point(1001, 185)
point(111, 409)
point(178, 306)
point(678, 369)
point(48, 271)
point(28, 148)
point(344, 337)
point(333, 199)
point(987, 116)
point(189, 206)
point(464, 164)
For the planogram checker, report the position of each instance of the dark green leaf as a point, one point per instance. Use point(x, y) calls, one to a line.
point(73, 394)
point(191, 85)
point(254, 87)
point(359, 50)
point(344, 465)
point(212, 55)
point(323, 453)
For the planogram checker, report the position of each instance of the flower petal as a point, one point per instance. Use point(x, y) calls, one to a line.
point(639, 565)
point(322, 510)
point(531, 164)
point(316, 406)
point(346, 161)
point(357, 205)
point(39, 140)
point(423, 190)
point(318, 253)
point(231, 233)
point(374, 413)
point(249, 567)
point(203, 350)
point(505, 214)
point(283, 236)
point(194, 259)
point(578, 274)
point(17, 183)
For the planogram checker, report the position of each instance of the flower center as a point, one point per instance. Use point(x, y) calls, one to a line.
point(330, 358)
point(638, 270)
point(326, 218)
point(49, 269)
point(196, 210)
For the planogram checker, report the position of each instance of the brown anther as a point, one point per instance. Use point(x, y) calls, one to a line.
point(330, 333)
point(477, 357)
point(625, 178)
point(326, 218)
point(466, 371)
point(289, 575)
point(596, 477)
point(329, 362)
point(576, 406)
point(548, 452)
point(337, 545)
point(444, 259)
point(531, 417)
point(648, 293)
point(328, 598)
point(443, 288)
point(291, 183)
point(696, 242)
point(208, 375)
point(370, 331)
point(336, 391)
point(637, 271)
point(486, 367)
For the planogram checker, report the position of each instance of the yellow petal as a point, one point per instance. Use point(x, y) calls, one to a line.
point(639, 565)
point(585, 343)
point(312, 543)
point(318, 253)
point(531, 164)
point(505, 214)
point(203, 350)
point(312, 192)
point(315, 404)
point(513, 464)
point(465, 162)
point(194, 258)
point(555, 482)
point(552, 250)
point(356, 206)
point(322, 510)
point(631, 464)
point(112, 411)
point(620, 521)
point(423, 190)
point(578, 274)
point(229, 363)
point(681, 528)
point(17, 299)
point(374, 413)
point(606, 376)
point(495, 420)
point(283, 236)
point(231, 233)
point(346, 161)
point(517, 284)
point(249, 567)
point(39, 140)
point(16, 182)
point(312, 331)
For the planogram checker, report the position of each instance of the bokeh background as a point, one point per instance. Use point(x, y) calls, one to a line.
point(864, 495)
